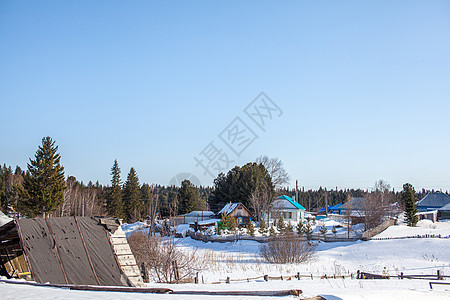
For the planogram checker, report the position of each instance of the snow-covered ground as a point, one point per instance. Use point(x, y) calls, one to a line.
point(240, 260)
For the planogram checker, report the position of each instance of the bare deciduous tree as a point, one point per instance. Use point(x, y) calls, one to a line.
point(260, 200)
point(162, 259)
point(79, 200)
point(377, 204)
point(274, 167)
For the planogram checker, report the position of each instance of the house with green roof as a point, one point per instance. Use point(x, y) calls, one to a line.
point(287, 207)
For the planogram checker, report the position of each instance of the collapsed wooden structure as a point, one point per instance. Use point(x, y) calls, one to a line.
point(68, 250)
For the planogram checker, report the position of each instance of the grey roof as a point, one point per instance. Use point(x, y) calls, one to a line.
point(434, 200)
point(199, 213)
point(357, 203)
point(445, 207)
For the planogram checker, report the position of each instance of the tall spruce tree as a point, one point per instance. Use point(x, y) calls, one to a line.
point(408, 199)
point(44, 182)
point(189, 198)
point(114, 205)
point(132, 197)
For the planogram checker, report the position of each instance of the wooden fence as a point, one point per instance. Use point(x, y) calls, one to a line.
point(264, 239)
point(423, 236)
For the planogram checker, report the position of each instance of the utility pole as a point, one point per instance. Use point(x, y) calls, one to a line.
point(326, 202)
point(296, 191)
point(309, 200)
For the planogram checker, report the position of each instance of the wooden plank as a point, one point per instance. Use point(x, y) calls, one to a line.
point(116, 240)
point(131, 270)
point(122, 249)
point(127, 261)
point(122, 289)
point(241, 293)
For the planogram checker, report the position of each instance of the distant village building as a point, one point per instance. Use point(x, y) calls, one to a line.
point(444, 212)
point(287, 207)
point(433, 201)
point(238, 211)
point(197, 216)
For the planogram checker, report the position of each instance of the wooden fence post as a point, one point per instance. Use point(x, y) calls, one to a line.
point(357, 274)
point(401, 275)
point(228, 280)
point(266, 277)
point(298, 275)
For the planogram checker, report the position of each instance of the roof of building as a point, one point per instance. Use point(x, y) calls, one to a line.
point(292, 201)
point(326, 208)
point(357, 203)
point(434, 200)
point(445, 207)
point(4, 219)
point(228, 208)
point(199, 213)
point(83, 254)
point(337, 206)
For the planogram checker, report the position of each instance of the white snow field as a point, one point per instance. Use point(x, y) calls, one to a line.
point(240, 260)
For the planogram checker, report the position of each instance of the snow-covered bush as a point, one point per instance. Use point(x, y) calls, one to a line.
point(286, 250)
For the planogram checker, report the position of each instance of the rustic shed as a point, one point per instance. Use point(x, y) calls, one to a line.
point(68, 250)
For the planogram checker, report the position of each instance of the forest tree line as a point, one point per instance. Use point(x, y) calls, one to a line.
point(43, 190)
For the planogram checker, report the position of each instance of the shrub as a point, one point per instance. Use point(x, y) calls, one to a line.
point(162, 260)
point(286, 250)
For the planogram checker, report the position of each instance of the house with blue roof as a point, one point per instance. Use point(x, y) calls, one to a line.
point(432, 201)
point(287, 207)
point(336, 209)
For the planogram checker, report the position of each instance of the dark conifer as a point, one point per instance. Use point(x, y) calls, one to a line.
point(44, 182)
point(132, 197)
point(409, 202)
point(114, 205)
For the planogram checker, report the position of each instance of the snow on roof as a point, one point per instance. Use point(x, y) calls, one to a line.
point(295, 203)
point(199, 213)
point(4, 219)
point(434, 200)
point(445, 207)
point(228, 208)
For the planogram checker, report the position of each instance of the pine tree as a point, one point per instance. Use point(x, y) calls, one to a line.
point(251, 229)
point(407, 197)
point(300, 228)
point(322, 229)
point(289, 228)
point(132, 197)
point(308, 230)
point(281, 226)
point(334, 230)
point(189, 198)
point(233, 225)
point(262, 227)
point(272, 231)
point(44, 182)
point(114, 205)
point(224, 222)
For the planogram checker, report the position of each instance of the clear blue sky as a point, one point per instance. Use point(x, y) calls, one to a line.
point(364, 86)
